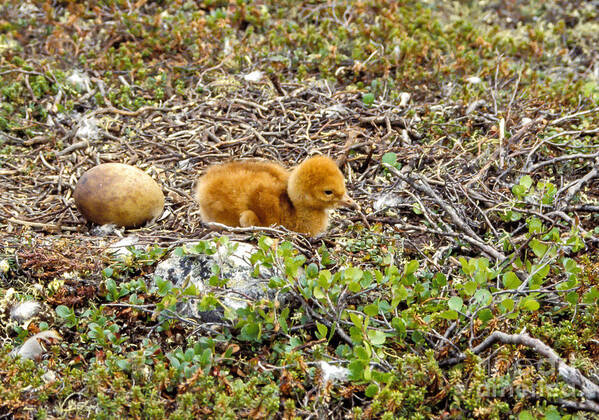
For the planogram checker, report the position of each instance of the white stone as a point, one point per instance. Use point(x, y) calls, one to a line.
point(474, 80)
point(404, 98)
point(254, 76)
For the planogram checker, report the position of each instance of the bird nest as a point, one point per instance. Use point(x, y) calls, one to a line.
point(452, 192)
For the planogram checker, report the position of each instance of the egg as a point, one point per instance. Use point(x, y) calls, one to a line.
point(115, 193)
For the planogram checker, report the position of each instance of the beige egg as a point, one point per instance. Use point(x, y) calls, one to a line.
point(120, 194)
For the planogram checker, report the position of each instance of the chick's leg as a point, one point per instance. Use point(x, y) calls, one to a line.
point(248, 218)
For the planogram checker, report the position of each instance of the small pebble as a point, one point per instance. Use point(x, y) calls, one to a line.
point(404, 98)
point(254, 76)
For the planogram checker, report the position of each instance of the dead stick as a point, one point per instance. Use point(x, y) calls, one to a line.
point(570, 375)
point(48, 226)
point(470, 235)
point(573, 189)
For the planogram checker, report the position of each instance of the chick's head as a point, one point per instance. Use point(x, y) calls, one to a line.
point(318, 183)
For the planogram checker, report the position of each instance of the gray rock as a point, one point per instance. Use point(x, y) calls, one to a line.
point(241, 286)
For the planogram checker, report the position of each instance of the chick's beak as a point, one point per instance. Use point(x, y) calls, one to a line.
point(347, 201)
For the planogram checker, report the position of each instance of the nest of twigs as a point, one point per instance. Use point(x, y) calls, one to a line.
point(460, 187)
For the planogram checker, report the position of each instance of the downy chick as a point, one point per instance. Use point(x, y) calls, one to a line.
point(253, 193)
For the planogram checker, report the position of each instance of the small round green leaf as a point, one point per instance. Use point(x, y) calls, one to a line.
point(62, 311)
point(511, 280)
point(451, 315)
point(455, 303)
point(371, 390)
point(371, 310)
point(390, 158)
point(530, 304)
point(485, 315)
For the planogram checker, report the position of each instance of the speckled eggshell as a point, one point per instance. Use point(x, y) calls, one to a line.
point(120, 194)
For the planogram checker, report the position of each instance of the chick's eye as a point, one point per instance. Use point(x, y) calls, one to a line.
point(328, 192)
